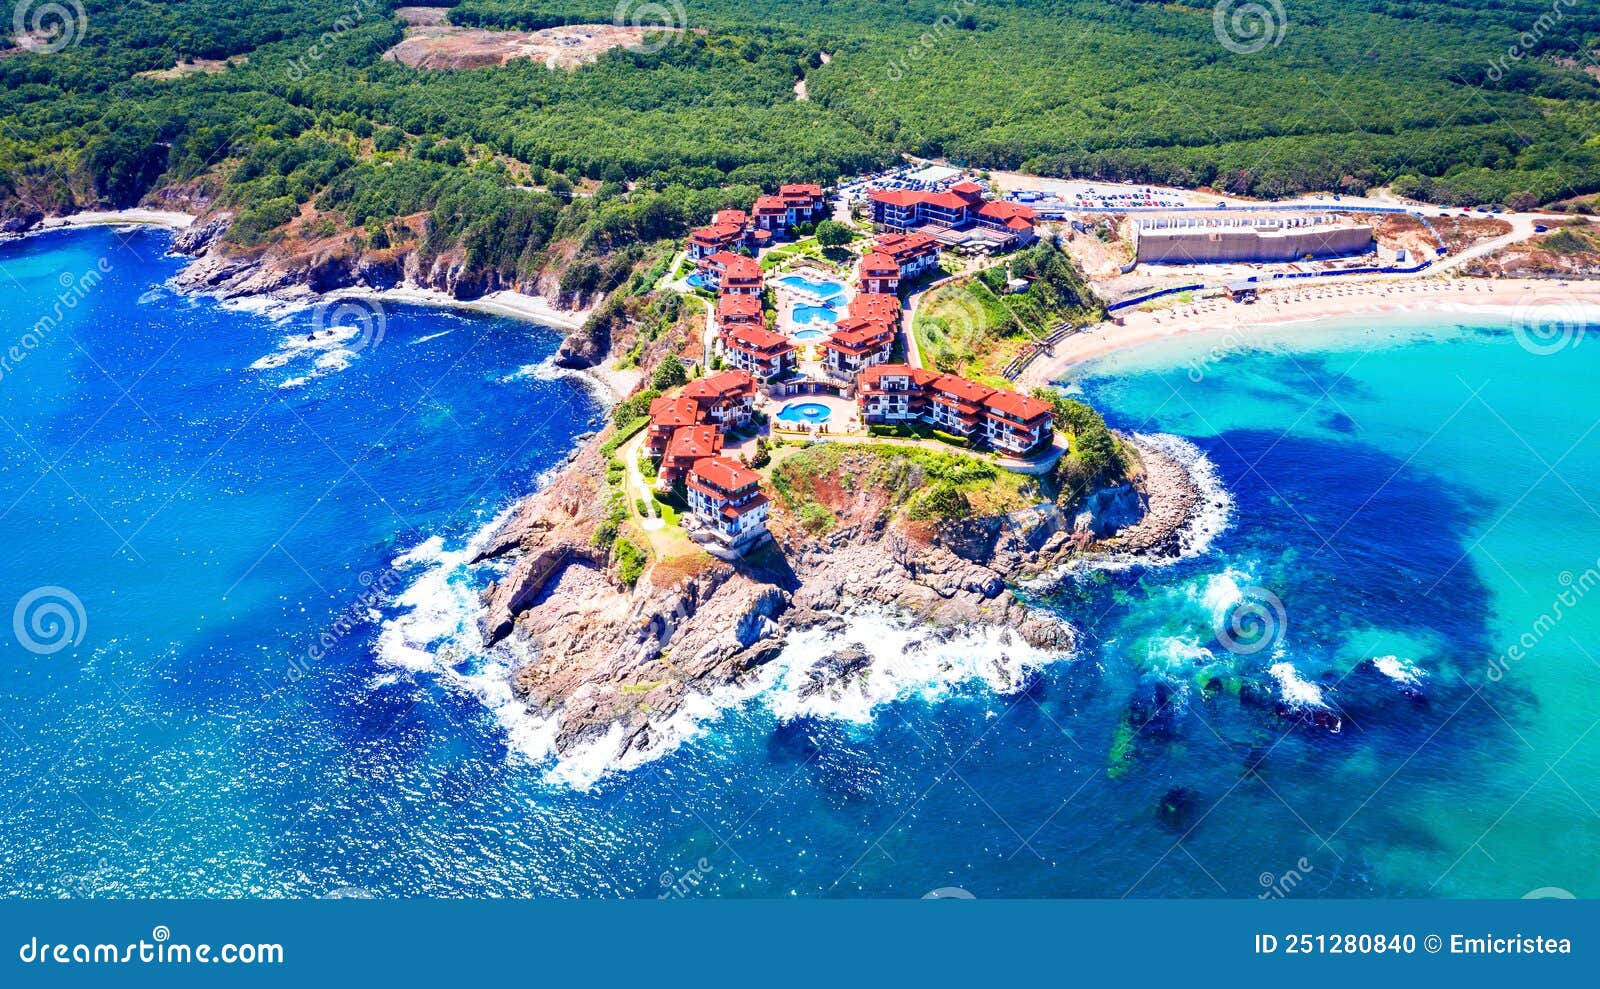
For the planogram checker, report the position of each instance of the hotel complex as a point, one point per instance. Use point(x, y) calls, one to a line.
point(685, 434)
point(1004, 420)
point(957, 216)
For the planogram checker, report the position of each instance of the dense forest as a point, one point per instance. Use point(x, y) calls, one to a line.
point(1464, 101)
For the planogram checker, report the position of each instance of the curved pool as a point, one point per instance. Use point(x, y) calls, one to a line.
point(810, 335)
point(821, 289)
point(801, 412)
point(814, 314)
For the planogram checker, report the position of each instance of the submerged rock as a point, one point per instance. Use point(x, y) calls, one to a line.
point(1178, 808)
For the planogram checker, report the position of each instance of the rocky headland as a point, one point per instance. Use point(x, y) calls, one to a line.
point(615, 665)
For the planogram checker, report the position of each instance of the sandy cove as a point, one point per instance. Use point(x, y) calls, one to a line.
point(170, 219)
point(1570, 301)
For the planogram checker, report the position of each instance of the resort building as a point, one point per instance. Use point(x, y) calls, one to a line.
point(734, 274)
point(855, 345)
point(893, 393)
point(739, 310)
point(955, 404)
point(962, 207)
point(726, 399)
point(1012, 219)
point(728, 231)
point(667, 416)
point(686, 445)
point(878, 273)
point(911, 253)
point(1005, 420)
point(806, 202)
point(726, 503)
point(759, 351)
point(1016, 423)
point(772, 214)
point(883, 307)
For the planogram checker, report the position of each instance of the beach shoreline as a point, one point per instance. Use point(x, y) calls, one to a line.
point(1543, 301)
point(170, 219)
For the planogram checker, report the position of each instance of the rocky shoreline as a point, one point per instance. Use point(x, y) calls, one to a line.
point(328, 270)
point(616, 667)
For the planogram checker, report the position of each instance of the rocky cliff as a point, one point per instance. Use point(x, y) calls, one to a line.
point(615, 664)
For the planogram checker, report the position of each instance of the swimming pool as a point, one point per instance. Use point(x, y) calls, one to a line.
point(822, 289)
point(810, 334)
point(814, 314)
point(798, 412)
point(697, 280)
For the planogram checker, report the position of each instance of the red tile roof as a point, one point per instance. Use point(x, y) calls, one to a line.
point(1015, 216)
point(961, 388)
point(912, 197)
point(902, 247)
point(690, 442)
point(681, 411)
point(873, 375)
point(746, 307)
point(722, 385)
point(770, 204)
point(875, 305)
point(1023, 407)
point(855, 335)
point(801, 189)
point(748, 505)
point(730, 217)
point(895, 197)
point(736, 266)
point(876, 264)
point(728, 475)
point(718, 233)
point(757, 338)
point(967, 188)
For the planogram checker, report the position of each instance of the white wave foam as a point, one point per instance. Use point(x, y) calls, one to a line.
point(1297, 691)
point(431, 336)
point(549, 370)
point(437, 635)
point(1212, 515)
point(1399, 670)
point(909, 659)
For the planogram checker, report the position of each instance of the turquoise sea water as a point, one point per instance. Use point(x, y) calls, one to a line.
point(259, 680)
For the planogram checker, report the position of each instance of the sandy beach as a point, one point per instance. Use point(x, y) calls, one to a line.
point(170, 219)
point(1543, 301)
point(514, 304)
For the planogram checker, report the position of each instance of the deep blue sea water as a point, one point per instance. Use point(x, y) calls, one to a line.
point(263, 702)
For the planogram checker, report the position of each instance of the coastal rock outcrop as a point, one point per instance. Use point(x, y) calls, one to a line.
point(616, 666)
